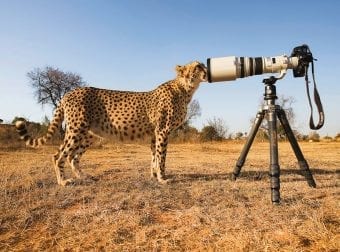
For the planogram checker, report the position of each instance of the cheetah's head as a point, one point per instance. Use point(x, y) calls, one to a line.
point(193, 73)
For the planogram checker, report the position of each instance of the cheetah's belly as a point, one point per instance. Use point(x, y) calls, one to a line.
point(123, 126)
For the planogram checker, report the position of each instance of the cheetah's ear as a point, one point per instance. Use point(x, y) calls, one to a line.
point(182, 71)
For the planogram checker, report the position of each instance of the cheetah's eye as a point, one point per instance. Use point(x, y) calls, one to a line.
point(200, 67)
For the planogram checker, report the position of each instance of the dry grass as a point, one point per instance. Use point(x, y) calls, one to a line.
point(201, 210)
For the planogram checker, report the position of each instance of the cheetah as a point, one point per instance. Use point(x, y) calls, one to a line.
point(90, 112)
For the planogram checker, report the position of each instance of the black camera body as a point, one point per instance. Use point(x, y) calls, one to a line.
point(305, 57)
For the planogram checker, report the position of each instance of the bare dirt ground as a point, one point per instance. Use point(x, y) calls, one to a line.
point(202, 209)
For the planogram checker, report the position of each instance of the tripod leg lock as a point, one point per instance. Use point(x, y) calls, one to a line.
point(275, 183)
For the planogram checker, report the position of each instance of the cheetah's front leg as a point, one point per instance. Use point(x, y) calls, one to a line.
point(161, 149)
point(153, 172)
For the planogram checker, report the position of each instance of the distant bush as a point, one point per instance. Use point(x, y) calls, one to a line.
point(8, 134)
point(314, 136)
point(215, 130)
point(209, 133)
point(261, 135)
point(239, 135)
point(337, 137)
point(327, 139)
point(185, 133)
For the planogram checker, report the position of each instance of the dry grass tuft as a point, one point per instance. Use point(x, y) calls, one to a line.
point(202, 209)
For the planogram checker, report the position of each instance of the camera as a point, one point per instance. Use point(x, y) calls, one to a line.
point(230, 68)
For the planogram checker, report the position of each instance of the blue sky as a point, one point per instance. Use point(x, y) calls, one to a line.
point(135, 45)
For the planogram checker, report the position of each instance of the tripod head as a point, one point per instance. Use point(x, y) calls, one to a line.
point(270, 81)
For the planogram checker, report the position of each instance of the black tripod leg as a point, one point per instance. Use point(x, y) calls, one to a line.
point(274, 157)
point(295, 146)
point(250, 139)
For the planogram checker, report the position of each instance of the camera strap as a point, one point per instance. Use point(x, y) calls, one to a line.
point(317, 102)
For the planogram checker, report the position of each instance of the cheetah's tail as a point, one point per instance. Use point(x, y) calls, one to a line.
point(21, 128)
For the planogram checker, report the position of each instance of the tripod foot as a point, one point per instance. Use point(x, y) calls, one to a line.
point(237, 170)
point(234, 177)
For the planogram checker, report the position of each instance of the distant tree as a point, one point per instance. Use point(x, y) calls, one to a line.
point(1, 121)
point(51, 84)
point(194, 111)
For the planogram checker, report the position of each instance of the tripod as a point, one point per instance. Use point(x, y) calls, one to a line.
point(273, 112)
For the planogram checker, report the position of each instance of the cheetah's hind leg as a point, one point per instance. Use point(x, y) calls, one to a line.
point(80, 146)
point(59, 165)
point(69, 149)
